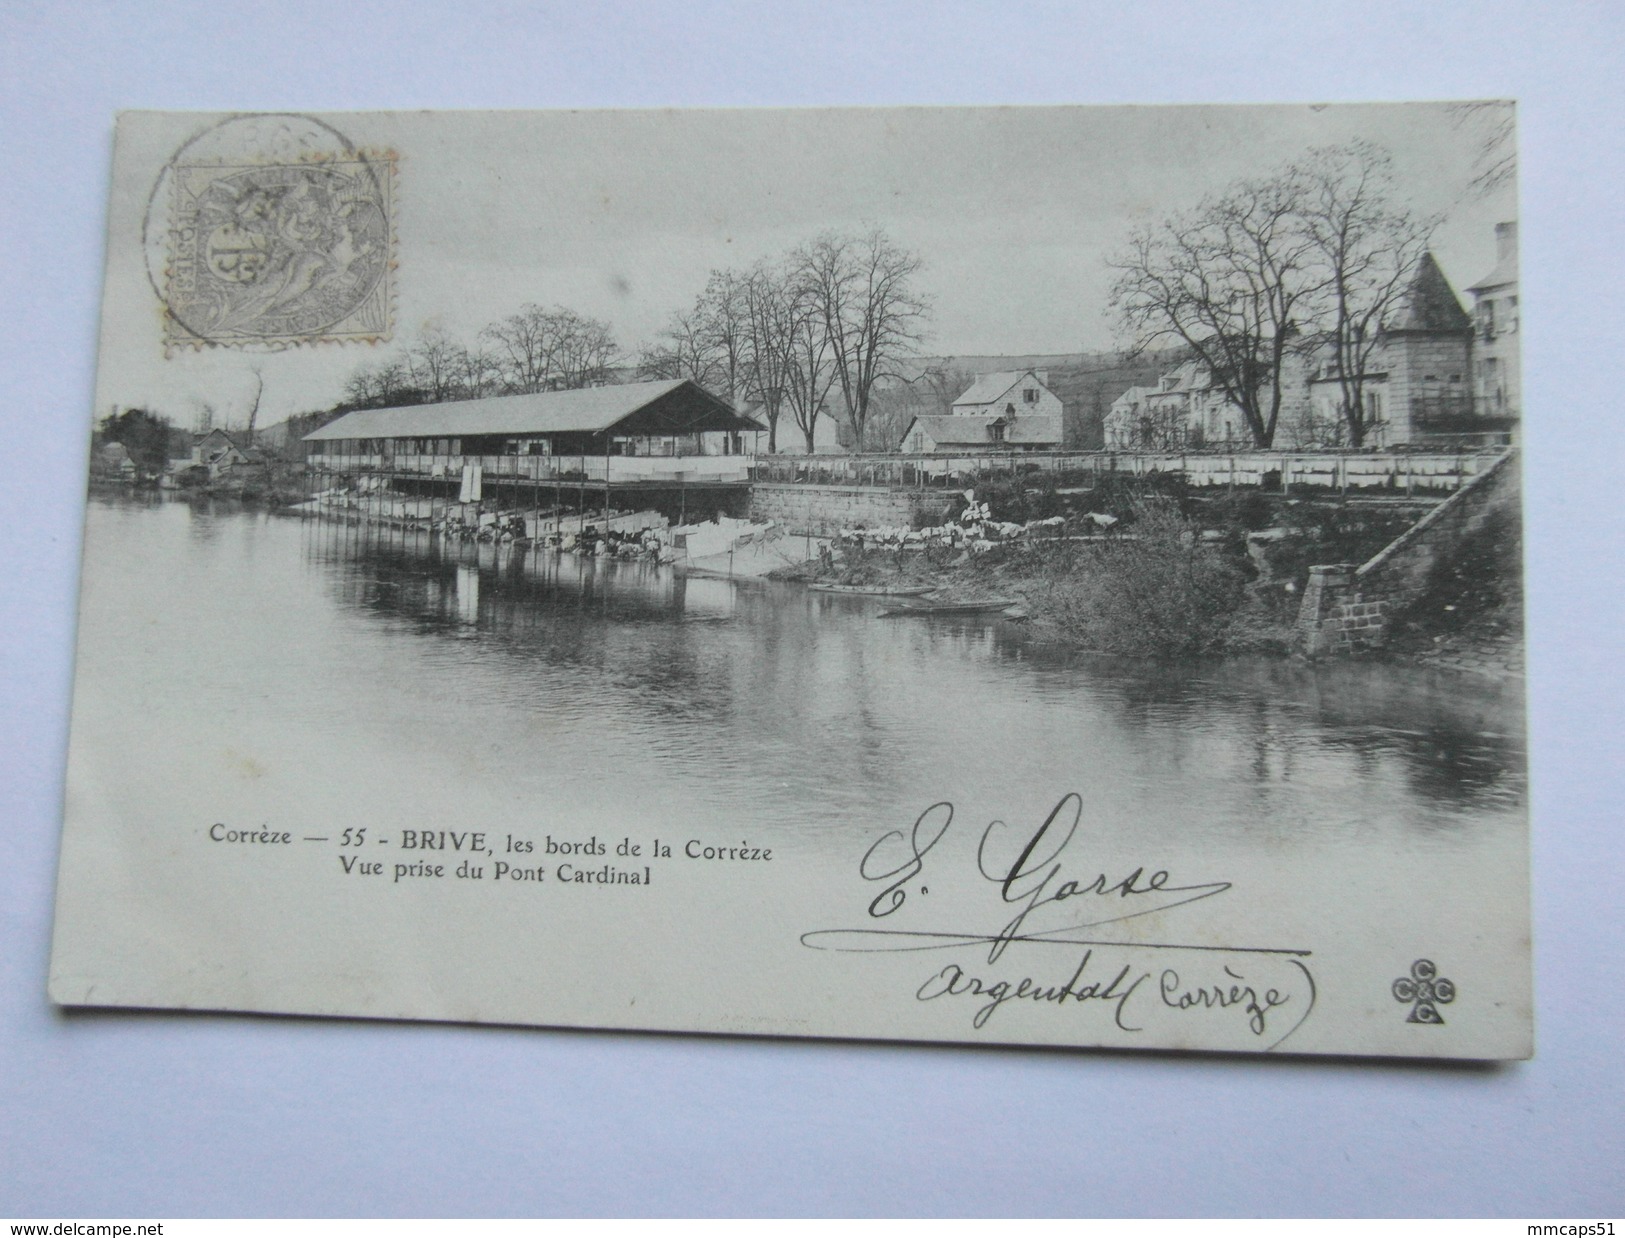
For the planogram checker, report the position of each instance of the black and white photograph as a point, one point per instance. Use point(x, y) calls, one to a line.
point(1012, 575)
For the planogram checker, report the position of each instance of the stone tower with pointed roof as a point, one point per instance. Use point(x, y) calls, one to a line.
point(1421, 385)
point(1428, 354)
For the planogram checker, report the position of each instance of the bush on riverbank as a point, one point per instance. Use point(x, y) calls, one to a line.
point(1160, 592)
point(1159, 589)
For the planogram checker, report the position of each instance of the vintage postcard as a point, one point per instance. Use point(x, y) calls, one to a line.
point(1042, 576)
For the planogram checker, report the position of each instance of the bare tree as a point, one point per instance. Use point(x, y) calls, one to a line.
point(475, 373)
point(685, 350)
point(893, 406)
point(811, 369)
point(1497, 156)
point(947, 385)
point(254, 405)
point(587, 349)
point(524, 345)
point(1365, 250)
point(771, 330)
point(860, 290)
point(381, 386)
point(361, 388)
point(550, 349)
point(1231, 281)
point(1316, 429)
point(1163, 426)
point(725, 319)
point(709, 342)
point(533, 350)
point(431, 366)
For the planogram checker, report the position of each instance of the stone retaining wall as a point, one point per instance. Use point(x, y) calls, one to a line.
point(1335, 618)
point(1346, 608)
point(824, 510)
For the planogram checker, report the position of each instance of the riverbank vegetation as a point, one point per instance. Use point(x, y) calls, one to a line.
point(1138, 566)
point(1157, 588)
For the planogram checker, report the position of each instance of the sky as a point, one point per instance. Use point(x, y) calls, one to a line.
point(620, 215)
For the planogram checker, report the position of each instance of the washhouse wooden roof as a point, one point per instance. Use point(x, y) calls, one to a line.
point(672, 406)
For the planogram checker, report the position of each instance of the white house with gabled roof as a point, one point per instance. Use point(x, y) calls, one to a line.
point(1009, 393)
point(1011, 409)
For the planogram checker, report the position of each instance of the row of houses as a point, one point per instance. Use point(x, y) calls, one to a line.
point(214, 456)
point(1439, 375)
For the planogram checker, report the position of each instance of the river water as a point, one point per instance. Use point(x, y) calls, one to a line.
point(317, 676)
point(577, 680)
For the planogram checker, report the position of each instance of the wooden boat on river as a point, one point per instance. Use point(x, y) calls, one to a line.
point(879, 591)
point(983, 607)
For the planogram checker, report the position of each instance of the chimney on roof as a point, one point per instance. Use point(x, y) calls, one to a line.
point(1506, 240)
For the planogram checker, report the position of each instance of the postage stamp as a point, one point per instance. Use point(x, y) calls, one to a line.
point(289, 244)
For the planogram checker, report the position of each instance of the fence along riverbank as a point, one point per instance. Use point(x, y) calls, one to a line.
point(1395, 471)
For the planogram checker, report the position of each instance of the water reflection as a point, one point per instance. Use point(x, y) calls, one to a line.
point(502, 589)
point(787, 696)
